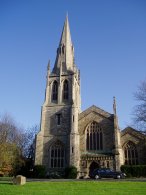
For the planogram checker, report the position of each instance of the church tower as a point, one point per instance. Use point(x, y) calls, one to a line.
point(57, 143)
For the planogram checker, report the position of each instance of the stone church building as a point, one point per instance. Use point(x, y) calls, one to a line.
point(87, 139)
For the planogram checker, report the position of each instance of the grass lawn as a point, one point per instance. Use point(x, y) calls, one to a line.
point(74, 187)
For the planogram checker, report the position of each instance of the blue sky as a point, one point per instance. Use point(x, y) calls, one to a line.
point(109, 37)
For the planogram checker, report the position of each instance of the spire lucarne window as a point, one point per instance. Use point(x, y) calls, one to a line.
point(94, 137)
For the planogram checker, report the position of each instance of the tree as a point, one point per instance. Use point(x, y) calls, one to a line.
point(10, 141)
point(16, 145)
point(28, 144)
point(140, 109)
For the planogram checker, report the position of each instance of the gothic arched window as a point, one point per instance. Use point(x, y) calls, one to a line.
point(131, 156)
point(65, 90)
point(57, 155)
point(94, 137)
point(55, 91)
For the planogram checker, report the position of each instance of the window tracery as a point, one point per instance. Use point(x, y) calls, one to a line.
point(130, 152)
point(94, 137)
point(65, 90)
point(55, 91)
point(57, 154)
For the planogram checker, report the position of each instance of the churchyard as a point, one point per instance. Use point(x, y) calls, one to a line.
point(99, 187)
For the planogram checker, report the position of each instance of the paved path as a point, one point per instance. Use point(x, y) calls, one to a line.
point(78, 180)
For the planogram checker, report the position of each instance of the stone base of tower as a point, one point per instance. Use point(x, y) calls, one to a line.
point(118, 159)
point(74, 150)
point(39, 149)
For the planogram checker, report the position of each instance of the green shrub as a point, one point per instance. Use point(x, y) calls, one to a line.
point(27, 169)
point(71, 172)
point(54, 175)
point(1, 174)
point(39, 171)
point(134, 170)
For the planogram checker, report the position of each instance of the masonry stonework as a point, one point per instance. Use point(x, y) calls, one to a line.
point(88, 139)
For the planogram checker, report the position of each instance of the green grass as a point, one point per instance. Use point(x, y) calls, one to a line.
point(74, 187)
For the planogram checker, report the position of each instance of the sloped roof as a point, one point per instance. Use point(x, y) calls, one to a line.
point(96, 110)
point(134, 132)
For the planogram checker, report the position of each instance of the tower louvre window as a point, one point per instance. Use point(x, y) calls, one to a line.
point(131, 156)
point(57, 155)
point(94, 137)
point(65, 90)
point(55, 91)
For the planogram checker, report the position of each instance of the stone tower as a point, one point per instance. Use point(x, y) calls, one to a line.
point(57, 143)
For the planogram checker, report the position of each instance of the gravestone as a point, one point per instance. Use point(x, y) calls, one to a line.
point(19, 180)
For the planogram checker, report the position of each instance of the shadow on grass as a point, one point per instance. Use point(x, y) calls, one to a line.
point(6, 183)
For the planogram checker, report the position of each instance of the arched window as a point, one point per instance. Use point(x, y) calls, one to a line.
point(65, 90)
point(55, 91)
point(131, 156)
point(57, 154)
point(94, 137)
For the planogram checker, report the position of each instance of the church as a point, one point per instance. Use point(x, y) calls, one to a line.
point(85, 139)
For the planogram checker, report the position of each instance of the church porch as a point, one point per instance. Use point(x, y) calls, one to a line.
point(89, 162)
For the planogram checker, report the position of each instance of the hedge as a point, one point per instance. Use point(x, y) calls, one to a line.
point(71, 172)
point(39, 171)
point(134, 170)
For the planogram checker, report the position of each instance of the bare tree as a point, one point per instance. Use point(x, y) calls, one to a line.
point(29, 141)
point(140, 108)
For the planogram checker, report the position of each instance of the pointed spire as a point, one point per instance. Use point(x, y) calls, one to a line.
point(66, 37)
point(65, 51)
point(114, 106)
point(115, 114)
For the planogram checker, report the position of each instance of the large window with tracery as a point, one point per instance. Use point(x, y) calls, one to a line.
point(65, 90)
point(57, 155)
point(131, 156)
point(94, 137)
point(55, 91)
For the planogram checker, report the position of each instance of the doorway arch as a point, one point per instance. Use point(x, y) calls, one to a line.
point(93, 165)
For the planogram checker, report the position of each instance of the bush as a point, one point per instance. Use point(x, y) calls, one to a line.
point(71, 172)
point(54, 175)
point(39, 171)
point(27, 169)
point(134, 170)
point(5, 171)
point(1, 174)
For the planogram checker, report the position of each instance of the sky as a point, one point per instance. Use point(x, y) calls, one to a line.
point(109, 37)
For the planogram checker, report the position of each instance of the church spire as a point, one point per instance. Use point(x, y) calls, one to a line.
point(66, 37)
point(65, 51)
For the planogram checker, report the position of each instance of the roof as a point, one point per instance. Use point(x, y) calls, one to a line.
point(96, 110)
point(132, 131)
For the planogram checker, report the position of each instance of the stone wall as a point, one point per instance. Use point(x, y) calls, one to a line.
point(106, 125)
